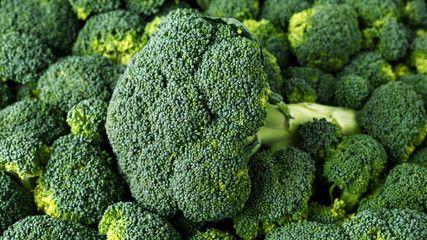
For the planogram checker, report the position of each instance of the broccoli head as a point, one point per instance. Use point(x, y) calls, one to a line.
point(272, 71)
point(212, 234)
point(144, 7)
point(325, 36)
point(403, 188)
point(6, 95)
point(307, 230)
point(352, 91)
point(15, 202)
point(333, 214)
point(395, 116)
point(23, 57)
point(79, 182)
point(281, 187)
point(418, 54)
point(84, 8)
point(51, 21)
point(238, 9)
point(419, 157)
point(415, 13)
point(73, 79)
point(280, 11)
point(116, 35)
point(419, 82)
point(370, 11)
point(128, 220)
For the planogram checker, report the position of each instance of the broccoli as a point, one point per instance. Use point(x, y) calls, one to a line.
point(280, 11)
point(419, 157)
point(212, 234)
point(73, 79)
point(403, 188)
point(116, 35)
point(333, 214)
point(307, 230)
point(395, 116)
point(79, 182)
point(87, 119)
point(325, 36)
point(186, 227)
point(419, 82)
point(418, 54)
point(415, 13)
point(51, 21)
point(369, 11)
point(281, 188)
point(48, 228)
point(296, 89)
point(352, 91)
point(128, 220)
point(271, 38)
point(84, 8)
point(238, 9)
point(387, 224)
point(353, 165)
point(15, 202)
point(23, 57)
point(144, 7)
point(6, 95)
point(272, 71)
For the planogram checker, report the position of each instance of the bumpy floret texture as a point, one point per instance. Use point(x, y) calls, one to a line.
point(84, 8)
point(238, 9)
point(419, 157)
point(307, 230)
point(128, 220)
point(116, 35)
point(415, 13)
point(144, 7)
point(79, 182)
point(370, 11)
point(212, 234)
point(352, 91)
point(418, 57)
point(280, 11)
point(272, 71)
point(419, 82)
point(6, 95)
point(185, 121)
point(23, 57)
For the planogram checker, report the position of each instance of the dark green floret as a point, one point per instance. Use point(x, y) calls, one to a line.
point(308, 230)
point(23, 57)
point(395, 116)
point(144, 7)
point(128, 220)
point(238, 9)
point(352, 91)
point(415, 13)
point(332, 214)
point(15, 202)
point(84, 8)
point(49, 228)
point(116, 35)
point(281, 187)
point(369, 11)
point(272, 72)
point(403, 188)
point(418, 54)
point(419, 157)
point(212, 234)
point(51, 21)
point(73, 79)
point(419, 82)
point(280, 11)
point(6, 95)
point(79, 182)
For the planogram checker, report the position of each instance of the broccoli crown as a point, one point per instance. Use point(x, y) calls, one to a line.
point(212, 234)
point(318, 136)
point(419, 82)
point(387, 224)
point(307, 230)
point(310, 80)
point(403, 188)
point(15, 202)
point(335, 213)
point(238, 9)
point(84, 8)
point(144, 7)
point(128, 220)
point(418, 55)
point(181, 114)
point(395, 116)
point(87, 119)
point(296, 89)
point(281, 187)
point(272, 71)
point(371, 66)
point(325, 36)
point(48, 228)
point(271, 38)
point(51, 21)
point(116, 35)
point(6, 95)
point(415, 13)
point(370, 11)
point(419, 157)
point(352, 91)
point(79, 182)
point(280, 11)
point(73, 79)
point(23, 57)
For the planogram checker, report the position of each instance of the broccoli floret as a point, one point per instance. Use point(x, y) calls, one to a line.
point(73, 79)
point(87, 119)
point(352, 91)
point(389, 37)
point(307, 230)
point(401, 69)
point(333, 214)
point(419, 157)
point(15, 202)
point(415, 13)
point(280, 11)
point(116, 35)
point(23, 57)
point(51, 21)
point(355, 164)
point(325, 36)
point(387, 224)
point(403, 188)
point(371, 66)
point(369, 11)
point(238, 9)
point(271, 38)
point(281, 187)
point(418, 55)
point(212, 234)
point(6, 95)
point(128, 220)
point(49, 228)
point(84, 8)
point(79, 182)
point(296, 89)
point(144, 7)
point(395, 116)
point(186, 227)
point(419, 82)
point(272, 72)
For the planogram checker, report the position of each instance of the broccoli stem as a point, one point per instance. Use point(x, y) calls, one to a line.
point(350, 199)
point(283, 120)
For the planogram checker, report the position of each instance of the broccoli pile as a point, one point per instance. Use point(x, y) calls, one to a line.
point(213, 119)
